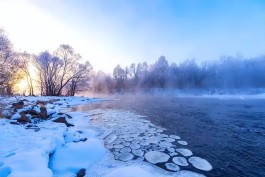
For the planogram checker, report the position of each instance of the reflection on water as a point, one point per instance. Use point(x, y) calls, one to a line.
point(230, 134)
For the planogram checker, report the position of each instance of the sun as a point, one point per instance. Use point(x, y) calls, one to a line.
point(23, 85)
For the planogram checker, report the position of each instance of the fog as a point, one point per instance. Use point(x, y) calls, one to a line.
point(229, 74)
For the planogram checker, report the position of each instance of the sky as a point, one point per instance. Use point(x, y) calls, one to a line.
point(111, 32)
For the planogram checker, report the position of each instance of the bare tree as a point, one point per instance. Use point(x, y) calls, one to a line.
point(158, 73)
point(62, 72)
point(25, 60)
point(68, 70)
point(119, 76)
point(49, 67)
point(79, 79)
point(5, 55)
point(9, 70)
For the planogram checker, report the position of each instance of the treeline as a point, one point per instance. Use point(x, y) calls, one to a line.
point(51, 74)
point(223, 74)
point(63, 73)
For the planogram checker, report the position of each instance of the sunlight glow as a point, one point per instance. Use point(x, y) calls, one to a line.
point(33, 72)
point(22, 86)
point(40, 31)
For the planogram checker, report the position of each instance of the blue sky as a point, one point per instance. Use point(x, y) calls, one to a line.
point(108, 32)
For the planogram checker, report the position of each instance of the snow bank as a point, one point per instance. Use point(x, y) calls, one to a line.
point(72, 157)
point(25, 153)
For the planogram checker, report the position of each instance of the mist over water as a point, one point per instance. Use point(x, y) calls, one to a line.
point(228, 75)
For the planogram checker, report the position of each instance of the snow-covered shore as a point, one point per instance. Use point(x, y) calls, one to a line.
point(47, 147)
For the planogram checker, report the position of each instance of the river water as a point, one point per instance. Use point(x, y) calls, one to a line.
point(230, 133)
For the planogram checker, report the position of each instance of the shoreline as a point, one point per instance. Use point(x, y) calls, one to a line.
point(62, 150)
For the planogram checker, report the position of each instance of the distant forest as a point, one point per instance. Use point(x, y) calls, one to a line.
point(223, 74)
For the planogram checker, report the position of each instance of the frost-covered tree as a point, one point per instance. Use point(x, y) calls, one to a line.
point(69, 68)
point(62, 71)
point(158, 73)
point(49, 68)
point(119, 75)
point(26, 60)
point(9, 64)
point(80, 78)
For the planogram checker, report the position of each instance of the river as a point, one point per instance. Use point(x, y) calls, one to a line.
point(230, 133)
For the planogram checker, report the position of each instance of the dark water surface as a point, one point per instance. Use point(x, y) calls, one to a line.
point(230, 134)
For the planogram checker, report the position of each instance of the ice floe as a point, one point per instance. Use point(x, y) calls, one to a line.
point(111, 138)
point(156, 157)
point(171, 149)
point(125, 150)
point(180, 161)
point(184, 152)
point(137, 139)
point(138, 152)
point(124, 156)
point(172, 167)
point(182, 142)
point(170, 140)
point(174, 136)
point(135, 146)
point(200, 163)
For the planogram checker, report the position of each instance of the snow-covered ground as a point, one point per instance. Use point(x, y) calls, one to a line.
point(107, 143)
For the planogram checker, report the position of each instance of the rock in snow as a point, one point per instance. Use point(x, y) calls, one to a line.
point(23, 118)
point(156, 157)
point(81, 173)
point(200, 163)
point(63, 120)
point(15, 116)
